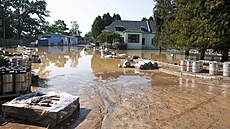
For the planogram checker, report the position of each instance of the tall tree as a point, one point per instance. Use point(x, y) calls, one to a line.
point(89, 37)
point(74, 28)
point(5, 20)
point(200, 25)
point(144, 19)
point(116, 17)
point(162, 15)
point(59, 27)
point(23, 11)
point(100, 23)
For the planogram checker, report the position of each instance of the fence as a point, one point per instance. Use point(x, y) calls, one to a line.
point(14, 42)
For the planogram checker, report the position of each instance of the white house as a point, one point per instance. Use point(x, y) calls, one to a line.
point(58, 39)
point(137, 34)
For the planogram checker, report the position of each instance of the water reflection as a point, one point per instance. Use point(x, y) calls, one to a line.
point(56, 60)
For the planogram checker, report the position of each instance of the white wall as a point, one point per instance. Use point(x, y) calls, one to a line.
point(148, 41)
point(133, 45)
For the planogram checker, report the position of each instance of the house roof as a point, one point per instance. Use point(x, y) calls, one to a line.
point(131, 26)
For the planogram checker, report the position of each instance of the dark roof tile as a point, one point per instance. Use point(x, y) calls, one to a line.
point(136, 26)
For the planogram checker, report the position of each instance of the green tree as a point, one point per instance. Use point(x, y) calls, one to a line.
point(89, 37)
point(200, 25)
point(74, 28)
point(144, 19)
point(116, 17)
point(59, 27)
point(163, 11)
point(100, 23)
point(22, 15)
point(6, 31)
point(109, 37)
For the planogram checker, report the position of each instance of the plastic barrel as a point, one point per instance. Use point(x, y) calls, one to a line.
point(226, 69)
point(196, 66)
point(7, 81)
point(183, 64)
point(189, 65)
point(213, 68)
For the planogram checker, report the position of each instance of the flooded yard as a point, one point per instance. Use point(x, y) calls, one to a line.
point(119, 98)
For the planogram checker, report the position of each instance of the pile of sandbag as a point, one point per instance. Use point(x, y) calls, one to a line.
point(146, 64)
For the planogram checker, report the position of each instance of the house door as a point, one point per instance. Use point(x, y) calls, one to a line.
point(143, 41)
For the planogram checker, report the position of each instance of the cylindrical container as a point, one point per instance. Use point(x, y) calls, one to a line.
point(20, 80)
point(7, 81)
point(22, 62)
point(196, 66)
point(213, 68)
point(201, 66)
point(6, 62)
point(183, 64)
point(14, 62)
point(226, 69)
point(189, 65)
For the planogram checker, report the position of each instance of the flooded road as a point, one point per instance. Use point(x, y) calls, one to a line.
point(118, 98)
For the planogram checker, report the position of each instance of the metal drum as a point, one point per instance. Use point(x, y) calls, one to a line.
point(183, 65)
point(7, 80)
point(196, 66)
point(189, 65)
point(20, 80)
point(226, 69)
point(213, 68)
point(14, 62)
point(6, 61)
point(22, 62)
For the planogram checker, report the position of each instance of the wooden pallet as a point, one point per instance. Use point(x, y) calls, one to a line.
point(47, 110)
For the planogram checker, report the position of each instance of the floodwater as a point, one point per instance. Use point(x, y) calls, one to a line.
point(118, 98)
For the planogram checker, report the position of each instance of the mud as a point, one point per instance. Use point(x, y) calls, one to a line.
point(118, 98)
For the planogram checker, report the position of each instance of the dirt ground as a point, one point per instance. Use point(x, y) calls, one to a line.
point(121, 98)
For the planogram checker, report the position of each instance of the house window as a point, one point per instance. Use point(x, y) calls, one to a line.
point(133, 38)
point(152, 41)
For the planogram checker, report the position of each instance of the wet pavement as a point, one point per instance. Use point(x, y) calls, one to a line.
point(118, 98)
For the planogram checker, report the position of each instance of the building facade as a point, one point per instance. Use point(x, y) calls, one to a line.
point(58, 39)
point(137, 34)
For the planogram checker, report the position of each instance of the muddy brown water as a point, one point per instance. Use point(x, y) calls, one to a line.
point(118, 98)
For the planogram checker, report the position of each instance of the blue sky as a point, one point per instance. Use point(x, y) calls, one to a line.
point(85, 11)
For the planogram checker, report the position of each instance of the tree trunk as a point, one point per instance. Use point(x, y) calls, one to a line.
point(224, 56)
point(186, 53)
point(160, 49)
point(202, 54)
